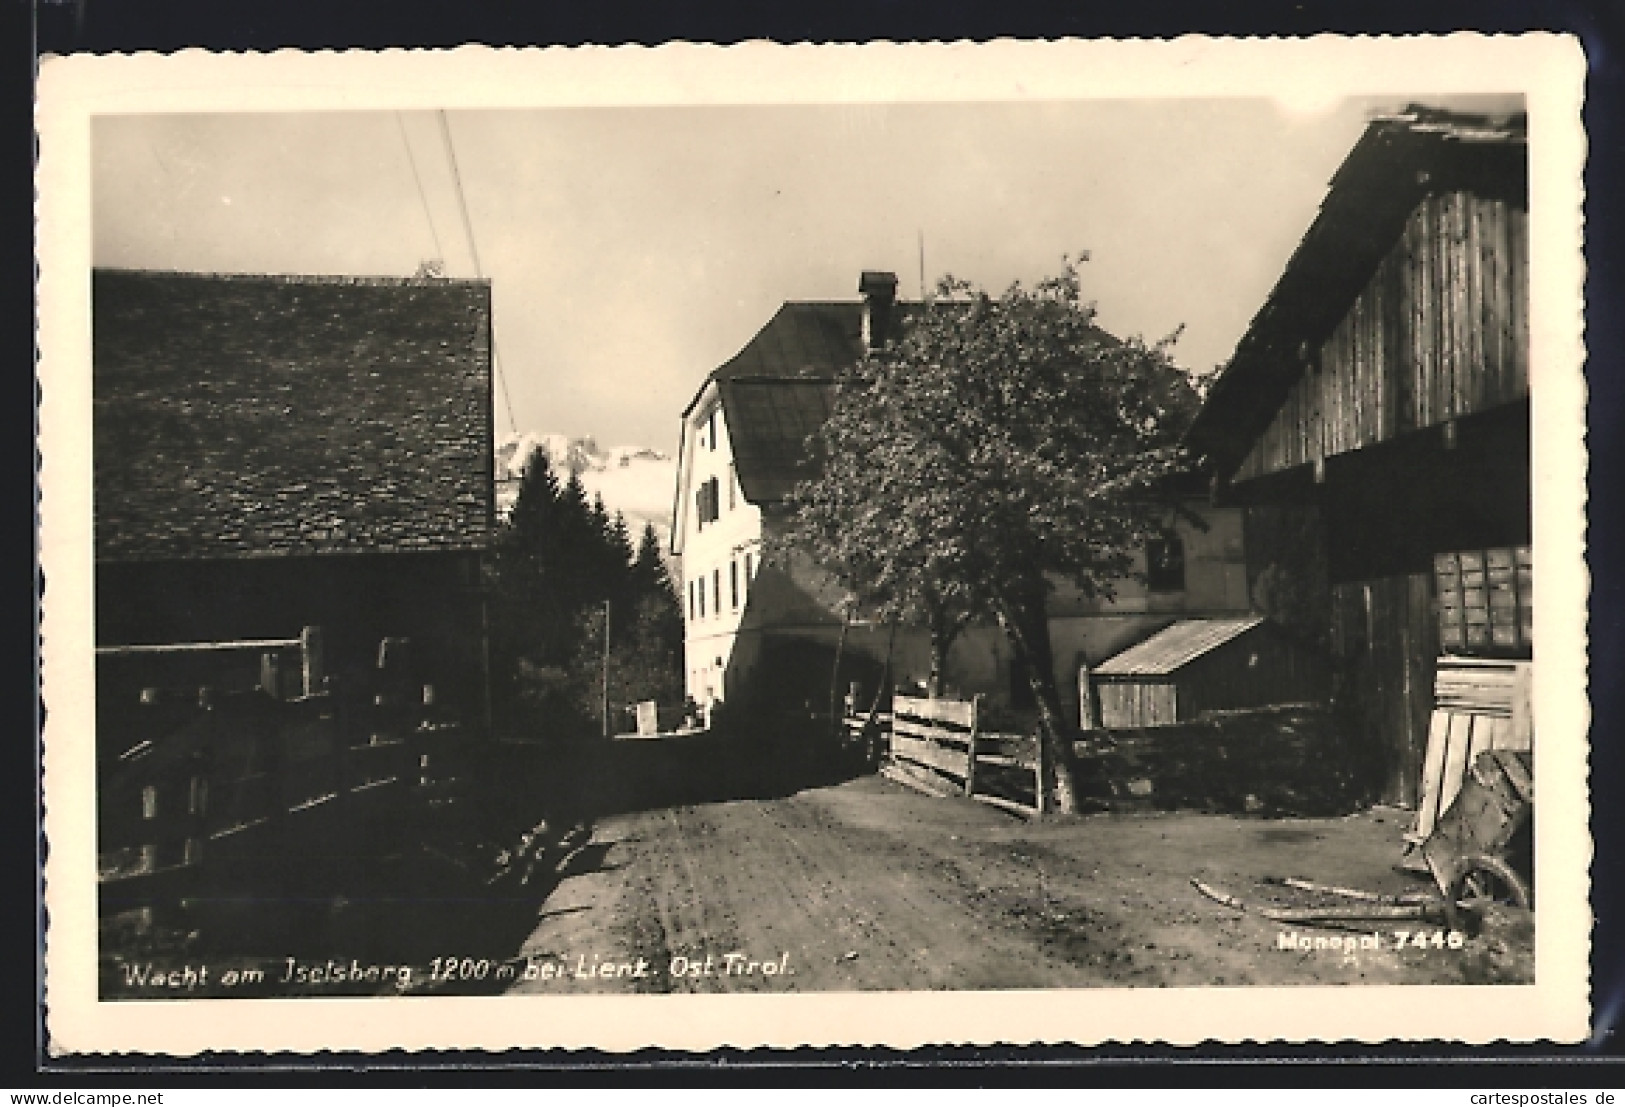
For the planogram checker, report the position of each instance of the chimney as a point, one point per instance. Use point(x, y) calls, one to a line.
point(879, 292)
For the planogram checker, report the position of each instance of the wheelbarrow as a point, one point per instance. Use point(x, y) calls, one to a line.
point(1481, 850)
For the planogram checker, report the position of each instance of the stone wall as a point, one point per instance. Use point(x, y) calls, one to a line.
point(1285, 760)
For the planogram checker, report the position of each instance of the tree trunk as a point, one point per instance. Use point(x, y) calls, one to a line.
point(835, 679)
point(871, 743)
point(1031, 644)
point(945, 630)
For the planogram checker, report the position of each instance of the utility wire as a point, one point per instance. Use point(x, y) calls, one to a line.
point(921, 234)
point(473, 249)
point(423, 197)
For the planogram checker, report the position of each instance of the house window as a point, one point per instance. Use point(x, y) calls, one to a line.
point(702, 597)
point(1165, 563)
point(733, 479)
point(706, 502)
point(716, 588)
point(747, 573)
point(733, 584)
point(691, 600)
point(711, 428)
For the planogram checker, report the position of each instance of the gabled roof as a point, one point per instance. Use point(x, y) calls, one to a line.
point(244, 416)
point(779, 389)
point(1400, 160)
point(803, 339)
point(1176, 646)
point(771, 424)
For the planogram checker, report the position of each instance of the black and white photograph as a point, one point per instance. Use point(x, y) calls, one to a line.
point(980, 545)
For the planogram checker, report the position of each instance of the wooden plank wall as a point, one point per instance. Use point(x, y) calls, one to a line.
point(1385, 647)
point(1230, 679)
point(1138, 703)
point(1440, 331)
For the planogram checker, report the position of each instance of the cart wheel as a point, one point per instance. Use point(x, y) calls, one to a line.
point(1481, 880)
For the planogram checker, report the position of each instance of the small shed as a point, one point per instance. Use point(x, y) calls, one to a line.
point(1197, 665)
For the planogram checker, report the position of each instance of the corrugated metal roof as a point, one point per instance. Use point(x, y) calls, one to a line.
point(1176, 646)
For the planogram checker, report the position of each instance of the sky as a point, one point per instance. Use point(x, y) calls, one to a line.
point(632, 250)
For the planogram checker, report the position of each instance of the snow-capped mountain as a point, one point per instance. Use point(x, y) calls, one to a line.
point(637, 481)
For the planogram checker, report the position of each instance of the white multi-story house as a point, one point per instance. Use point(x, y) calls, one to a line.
point(744, 446)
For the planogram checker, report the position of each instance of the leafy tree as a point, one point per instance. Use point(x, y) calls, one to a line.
point(1000, 440)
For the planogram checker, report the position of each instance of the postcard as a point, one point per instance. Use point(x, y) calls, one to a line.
point(883, 545)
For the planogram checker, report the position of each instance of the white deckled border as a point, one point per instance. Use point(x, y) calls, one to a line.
point(1548, 69)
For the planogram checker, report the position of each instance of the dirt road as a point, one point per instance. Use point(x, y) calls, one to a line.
point(867, 885)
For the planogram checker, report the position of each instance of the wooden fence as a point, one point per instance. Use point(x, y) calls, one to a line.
point(936, 746)
point(235, 782)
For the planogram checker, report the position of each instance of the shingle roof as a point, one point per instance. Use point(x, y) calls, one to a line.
point(1175, 646)
point(242, 416)
point(1399, 160)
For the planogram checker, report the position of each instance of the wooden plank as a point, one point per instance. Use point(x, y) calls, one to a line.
point(1022, 747)
point(1007, 760)
point(1024, 810)
point(911, 778)
point(1523, 722)
point(960, 713)
point(947, 762)
point(970, 751)
point(1424, 310)
point(1471, 316)
point(1455, 759)
point(1400, 364)
point(1494, 244)
point(198, 647)
point(1520, 299)
point(1496, 732)
point(1427, 806)
point(927, 732)
point(1478, 737)
point(1461, 287)
point(1442, 347)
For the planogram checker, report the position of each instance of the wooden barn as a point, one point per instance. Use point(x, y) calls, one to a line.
point(1200, 665)
point(293, 496)
point(277, 452)
point(1375, 424)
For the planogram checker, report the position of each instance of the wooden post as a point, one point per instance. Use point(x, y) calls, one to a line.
point(310, 660)
point(1088, 717)
point(872, 744)
point(835, 675)
point(1040, 793)
point(271, 674)
point(607, 728)
point(970, 745)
